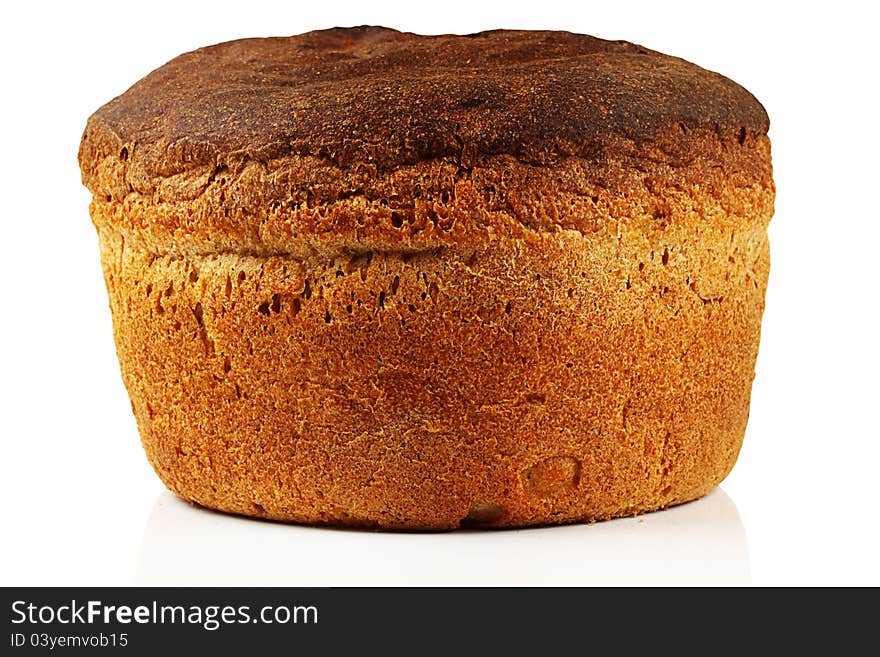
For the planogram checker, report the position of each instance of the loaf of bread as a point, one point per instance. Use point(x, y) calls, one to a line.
point(369, 278)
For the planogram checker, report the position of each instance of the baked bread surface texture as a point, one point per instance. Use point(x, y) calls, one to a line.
point(370, 278)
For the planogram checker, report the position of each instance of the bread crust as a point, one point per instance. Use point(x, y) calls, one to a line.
point(371, 99)
point(553, 319)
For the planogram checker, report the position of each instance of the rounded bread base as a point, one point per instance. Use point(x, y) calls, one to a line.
point(514, 377)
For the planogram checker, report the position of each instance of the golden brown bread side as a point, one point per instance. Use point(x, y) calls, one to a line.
point(363, 277)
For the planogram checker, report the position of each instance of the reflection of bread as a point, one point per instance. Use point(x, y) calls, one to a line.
point(372, 278)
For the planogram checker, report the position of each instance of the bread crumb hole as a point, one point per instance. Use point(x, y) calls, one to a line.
point(551, 475)
point(197, 312)
point(482, 513)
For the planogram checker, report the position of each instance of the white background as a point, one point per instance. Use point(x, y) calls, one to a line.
point(81, 504)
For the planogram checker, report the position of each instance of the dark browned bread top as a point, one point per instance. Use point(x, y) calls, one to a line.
point(380, 97)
